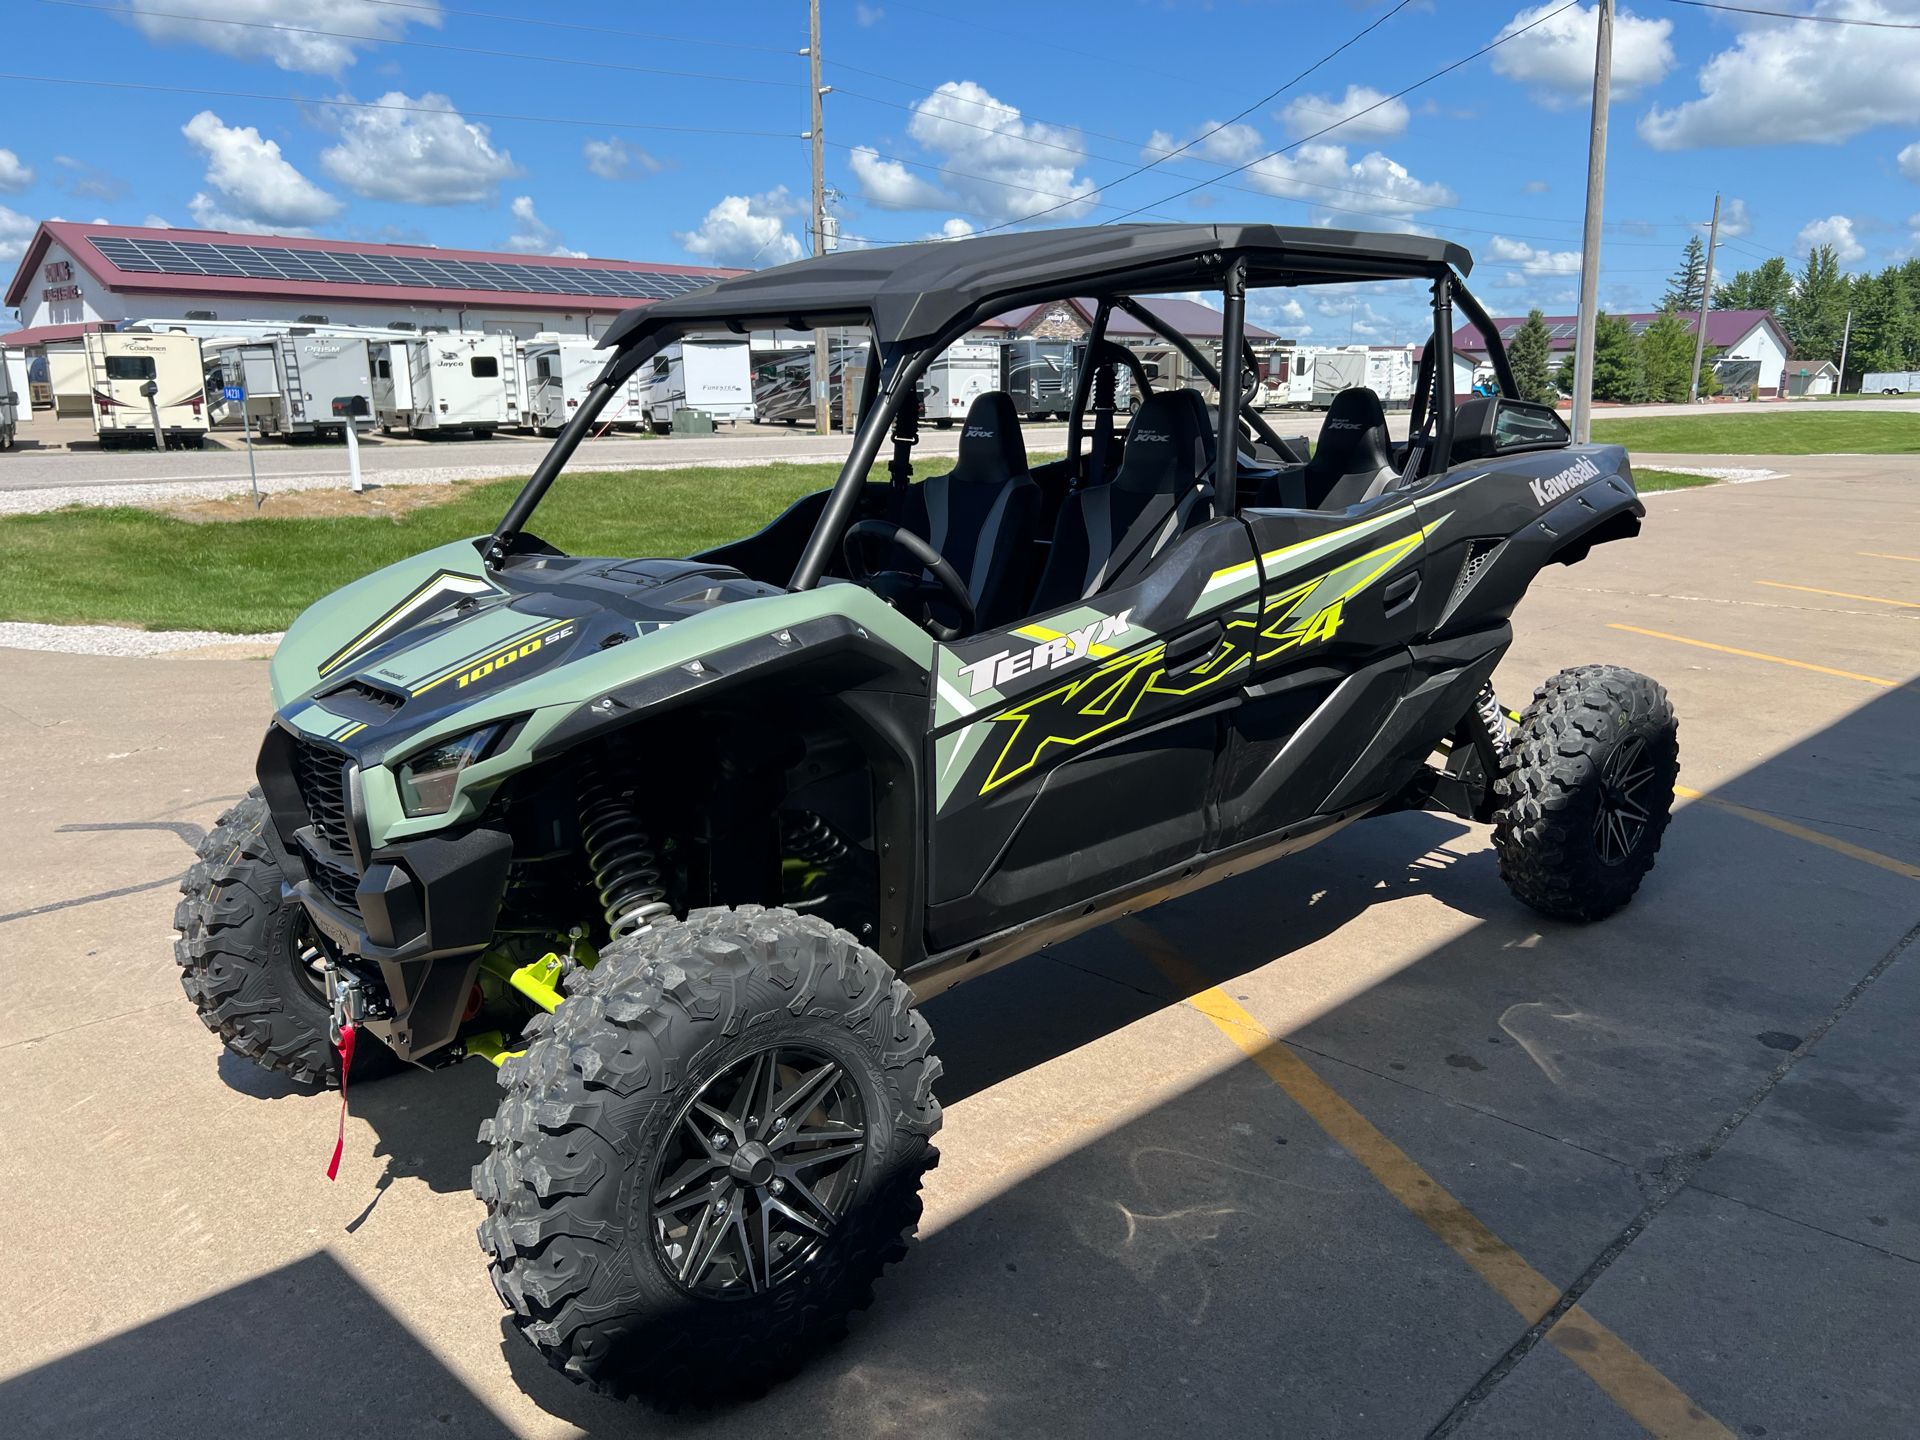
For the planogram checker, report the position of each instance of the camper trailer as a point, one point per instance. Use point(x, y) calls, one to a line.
point(783, 382)
point(961, 374)
point(1308, 377)
point(16, 396)
point(714, 377)
point(441, 382)
point(555, 377)
point(146, 389)
point(1038, 376)
point(299, 384)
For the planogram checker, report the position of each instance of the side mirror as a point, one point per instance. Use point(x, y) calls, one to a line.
point(1489, 425)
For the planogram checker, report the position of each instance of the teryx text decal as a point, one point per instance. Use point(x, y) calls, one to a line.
point(1010, 665)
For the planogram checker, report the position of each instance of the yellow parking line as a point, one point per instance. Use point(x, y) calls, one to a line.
point(1633, 1384)
point(1801, 832)
point(1882, 555)
point(1840, 594)
point(1758, 655)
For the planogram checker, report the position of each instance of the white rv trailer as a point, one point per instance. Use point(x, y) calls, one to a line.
point(16, 397)
point(298, 383)
point(120, 370)
point(441, 382)
point(1889, 382)
point(556, 374)
point(961, 374)
point(714, 376)
point(1305, 376)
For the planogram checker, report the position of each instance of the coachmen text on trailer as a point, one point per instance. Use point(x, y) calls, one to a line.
point(146, 390)
point(438, 383)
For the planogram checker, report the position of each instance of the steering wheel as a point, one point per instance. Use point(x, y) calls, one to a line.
point(852, 546)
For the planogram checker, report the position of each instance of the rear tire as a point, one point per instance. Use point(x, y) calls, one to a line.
point(615, 1286)
point(247, 961)
point(1586, 791)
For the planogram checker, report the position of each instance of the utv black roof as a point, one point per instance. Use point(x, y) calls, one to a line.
point(915, 293)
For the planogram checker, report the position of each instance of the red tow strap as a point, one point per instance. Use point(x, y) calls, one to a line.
point(347, 1036)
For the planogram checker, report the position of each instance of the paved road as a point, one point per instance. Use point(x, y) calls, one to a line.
point(1699, 1118)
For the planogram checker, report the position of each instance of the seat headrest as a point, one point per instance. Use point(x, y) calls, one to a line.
point(1166, 445)
point(991, 446)
point(1355, 428)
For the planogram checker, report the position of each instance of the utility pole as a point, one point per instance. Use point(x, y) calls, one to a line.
point(822, 347)
point(1706, 299)
point(1590, 239)
point(1846, 334)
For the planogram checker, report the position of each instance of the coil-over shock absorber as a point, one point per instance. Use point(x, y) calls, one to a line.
point(620, 853)
point(807, 836)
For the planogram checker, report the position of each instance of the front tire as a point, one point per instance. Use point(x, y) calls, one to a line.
point(647, 1224)
point(249, 962)
point(1586, 791)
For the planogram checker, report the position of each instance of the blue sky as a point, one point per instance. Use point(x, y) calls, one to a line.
point(958, 115)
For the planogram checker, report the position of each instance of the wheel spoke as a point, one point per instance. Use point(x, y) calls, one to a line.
point(719, 1117)
point(764, 1102)
point(833, 1130)
point(766, 1244)
point(821, 1157)
point(720, 1233)
point(739, 1225)
point(682, 1178)
point(803, 1096)
point(693, 1242)
point(807, 1223)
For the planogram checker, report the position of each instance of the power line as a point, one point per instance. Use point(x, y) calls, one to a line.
point(1796, 15)
point(280, 28)
point(1486, 49)
point(1268, 98)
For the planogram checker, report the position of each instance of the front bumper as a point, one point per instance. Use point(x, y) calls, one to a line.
point(422, 911)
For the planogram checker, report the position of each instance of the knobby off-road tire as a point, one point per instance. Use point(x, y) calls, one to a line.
point(244, 957)
point(1586, 791)
point(595, 1117)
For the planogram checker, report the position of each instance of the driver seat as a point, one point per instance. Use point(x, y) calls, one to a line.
point(984, 514)
point(1109, 534)
point(1353, 459)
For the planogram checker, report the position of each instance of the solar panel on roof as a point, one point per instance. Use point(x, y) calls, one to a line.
point(332, 267)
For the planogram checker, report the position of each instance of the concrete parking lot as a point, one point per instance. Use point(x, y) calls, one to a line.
point(1352, 1146)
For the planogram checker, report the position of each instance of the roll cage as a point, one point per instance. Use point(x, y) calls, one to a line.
point(919, 299)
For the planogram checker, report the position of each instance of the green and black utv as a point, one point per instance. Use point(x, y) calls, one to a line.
point(681, 845)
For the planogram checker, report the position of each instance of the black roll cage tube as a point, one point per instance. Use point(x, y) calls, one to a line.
point(894, 371)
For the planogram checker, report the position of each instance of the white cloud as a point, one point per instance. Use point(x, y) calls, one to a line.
point(532, 235)
point(1909, 162)
point(264, 39)
point(15, 231)
point(1319, 173)
point(746, 230)
point(1311, 113)
point(157, 222)
point(617, 159)
point(416, 152)
point(891, 185)
point(252, 176)
point(207, 215)
point(868, 14)
point(954, 228)
point(1734, 220)
point(1532, 261)
point(1554, 60)
point(986, 160)
point(14, 174)
point(1835, 230)
point(1786, 82)
point(1536, 187)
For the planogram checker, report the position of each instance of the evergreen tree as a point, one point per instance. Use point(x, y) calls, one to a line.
point(1817, 311)
point(1617, 373)
point(1766, 288)
point(1882, 323)
point(1684, 289)
point(1530, 355)
point(1666, 357)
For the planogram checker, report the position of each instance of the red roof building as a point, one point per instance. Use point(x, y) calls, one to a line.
point(104, 275)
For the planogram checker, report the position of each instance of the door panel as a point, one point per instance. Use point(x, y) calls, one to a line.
point(1339, 602)
point(1076, 752)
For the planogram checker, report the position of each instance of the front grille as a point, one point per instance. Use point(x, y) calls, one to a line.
point(336, 884)
point(322, 777)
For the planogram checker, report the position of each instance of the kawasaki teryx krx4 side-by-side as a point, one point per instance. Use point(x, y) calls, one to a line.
point(682, 845)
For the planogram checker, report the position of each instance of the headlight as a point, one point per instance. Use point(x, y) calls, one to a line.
point(427, 780)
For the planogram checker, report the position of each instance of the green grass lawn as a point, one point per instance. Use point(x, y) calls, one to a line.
point(1786, 432)
point(1647, 480)
point(140, 567)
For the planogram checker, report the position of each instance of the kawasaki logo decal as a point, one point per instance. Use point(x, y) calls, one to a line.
point(1565, 482)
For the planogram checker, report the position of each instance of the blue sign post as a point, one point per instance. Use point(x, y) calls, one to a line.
point(237, 395)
